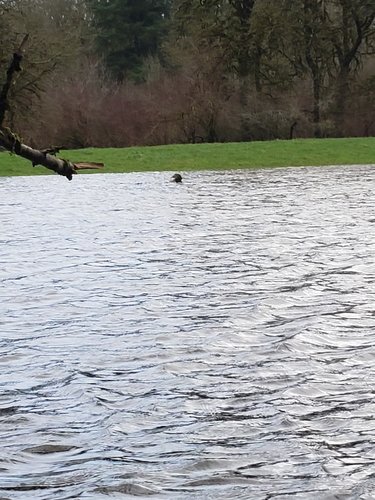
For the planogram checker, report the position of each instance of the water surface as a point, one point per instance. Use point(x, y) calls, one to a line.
point(213, 339)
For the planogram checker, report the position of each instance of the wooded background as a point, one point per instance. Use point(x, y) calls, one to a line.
point(123, 72)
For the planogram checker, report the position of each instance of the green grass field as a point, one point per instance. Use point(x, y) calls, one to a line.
point(298, 152)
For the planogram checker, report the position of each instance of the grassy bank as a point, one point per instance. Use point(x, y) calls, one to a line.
point(213, 156)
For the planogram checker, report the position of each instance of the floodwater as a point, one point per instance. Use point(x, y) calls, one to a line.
point(209, 340)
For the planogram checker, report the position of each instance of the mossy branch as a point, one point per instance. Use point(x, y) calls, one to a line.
point(10, 141)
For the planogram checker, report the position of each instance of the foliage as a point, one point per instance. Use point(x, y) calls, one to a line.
point(48, 23)
point(124, 73)
point(274, 45)
point(128, 32)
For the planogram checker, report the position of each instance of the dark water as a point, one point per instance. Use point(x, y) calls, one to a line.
point(210, 340)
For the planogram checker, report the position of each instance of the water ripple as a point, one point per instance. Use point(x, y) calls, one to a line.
point(212, 339)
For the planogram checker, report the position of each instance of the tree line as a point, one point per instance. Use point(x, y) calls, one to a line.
point(122, 73)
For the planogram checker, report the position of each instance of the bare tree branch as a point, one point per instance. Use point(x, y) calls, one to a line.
point(10, 141)
point(14, 67)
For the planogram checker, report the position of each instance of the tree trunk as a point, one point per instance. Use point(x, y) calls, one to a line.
point(316, 106)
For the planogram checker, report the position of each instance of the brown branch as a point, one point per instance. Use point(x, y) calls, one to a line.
point(62, 167)
point(12, 143)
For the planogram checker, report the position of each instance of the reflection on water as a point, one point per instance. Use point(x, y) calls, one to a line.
point(213, 339)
